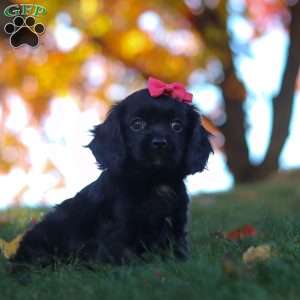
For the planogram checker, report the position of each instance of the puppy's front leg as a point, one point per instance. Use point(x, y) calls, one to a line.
point(113, 247)
point(181, 249)
point(179, 225)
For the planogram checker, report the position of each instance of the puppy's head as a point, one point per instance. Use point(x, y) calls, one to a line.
point(155, 135)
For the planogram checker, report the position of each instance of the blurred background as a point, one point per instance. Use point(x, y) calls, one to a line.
point(240, 59)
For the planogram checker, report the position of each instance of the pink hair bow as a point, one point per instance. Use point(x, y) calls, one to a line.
point(175, 90)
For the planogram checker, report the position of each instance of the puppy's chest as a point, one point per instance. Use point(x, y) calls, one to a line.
point(156, 206)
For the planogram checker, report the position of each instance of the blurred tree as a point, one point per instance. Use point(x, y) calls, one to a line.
point(233, 89)
point(129, 48)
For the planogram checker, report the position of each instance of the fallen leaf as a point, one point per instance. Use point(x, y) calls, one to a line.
point(259, 253)
point(240, 233)
point(9, 249)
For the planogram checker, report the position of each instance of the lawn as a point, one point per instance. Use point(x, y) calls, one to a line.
point(215, 269)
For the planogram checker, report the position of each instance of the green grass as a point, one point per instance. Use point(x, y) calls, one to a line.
point(272, 207)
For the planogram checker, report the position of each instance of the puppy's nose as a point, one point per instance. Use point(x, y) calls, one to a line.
point(159, 143)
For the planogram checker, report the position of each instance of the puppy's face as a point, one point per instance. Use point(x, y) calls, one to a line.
point(155, 131)
point(152, 134)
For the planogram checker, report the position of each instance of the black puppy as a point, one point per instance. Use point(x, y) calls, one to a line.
point(145, 147)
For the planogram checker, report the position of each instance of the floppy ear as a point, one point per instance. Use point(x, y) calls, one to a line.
point(107, 145)
point(198, 148)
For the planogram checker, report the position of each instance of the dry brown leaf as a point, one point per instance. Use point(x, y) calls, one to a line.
point(259, 253)
point(9, 249)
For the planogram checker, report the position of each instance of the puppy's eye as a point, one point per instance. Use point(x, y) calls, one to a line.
point(137, 124)
point(176, 125)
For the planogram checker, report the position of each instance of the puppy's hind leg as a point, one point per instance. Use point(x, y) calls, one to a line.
point(33, 250)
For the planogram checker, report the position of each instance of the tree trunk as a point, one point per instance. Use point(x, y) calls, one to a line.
point(283, 102)
point(232, 88)
point(234, 95)
point(234, 130)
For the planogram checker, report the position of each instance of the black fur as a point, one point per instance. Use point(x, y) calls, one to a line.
point(139, 203)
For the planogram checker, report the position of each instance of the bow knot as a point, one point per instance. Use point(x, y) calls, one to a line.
point(176, 90)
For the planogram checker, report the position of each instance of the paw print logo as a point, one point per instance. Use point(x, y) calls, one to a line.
point(24, 31)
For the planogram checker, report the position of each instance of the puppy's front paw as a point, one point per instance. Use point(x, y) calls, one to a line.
point(181, 250)
point(181, 254)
